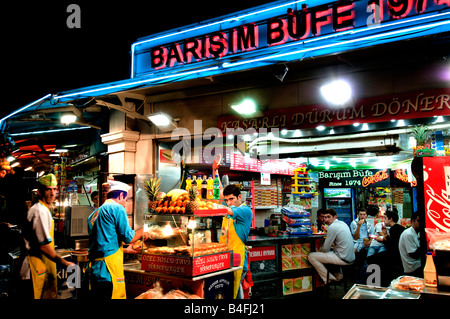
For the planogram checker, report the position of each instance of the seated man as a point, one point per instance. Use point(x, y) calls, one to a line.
point(361, 230)
point(337, 248)
point(389, 260)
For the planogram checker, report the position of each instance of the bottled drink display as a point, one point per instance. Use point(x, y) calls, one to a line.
point(204, 187)
point(429, 272)
point(199, 186)
point(209, 187)
point(216, 190)
point(188, 182)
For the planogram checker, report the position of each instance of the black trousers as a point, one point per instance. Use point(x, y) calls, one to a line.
point(101, 290)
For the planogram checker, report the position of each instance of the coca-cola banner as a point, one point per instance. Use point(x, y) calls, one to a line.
point(436, 182)
point(404, 106)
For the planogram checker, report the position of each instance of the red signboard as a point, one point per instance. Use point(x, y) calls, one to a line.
point(436, 182)
point(393, 107)
point(271, 166)
point(262, 253)
point(186, 266)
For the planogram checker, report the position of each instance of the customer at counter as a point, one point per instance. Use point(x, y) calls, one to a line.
point(319, 223)
point(411, 252)
point(108, 229)
point(337, 248)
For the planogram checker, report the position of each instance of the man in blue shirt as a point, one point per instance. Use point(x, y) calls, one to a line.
point(361, 230)
point(242, 216)
point(108, 230)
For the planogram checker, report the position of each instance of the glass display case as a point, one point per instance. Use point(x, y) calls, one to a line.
point(185, 244)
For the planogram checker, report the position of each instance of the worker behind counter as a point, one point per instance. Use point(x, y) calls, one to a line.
point(242, 216)
point(108, 229)
point(238, 229)
point(39, 265)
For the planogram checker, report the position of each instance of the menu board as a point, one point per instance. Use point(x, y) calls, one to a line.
point(272, 166)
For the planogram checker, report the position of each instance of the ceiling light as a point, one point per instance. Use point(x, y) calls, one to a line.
point(400, 123)
point(297, 133)
point(365, 127)
point(68, 119)
point(28, 168)
point(337, 92)
point(320, 128)
point(163, 121)
point(439, 119)
point(284, 132)
point(247, 107)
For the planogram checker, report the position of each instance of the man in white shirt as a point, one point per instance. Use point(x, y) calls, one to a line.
point(337, 248)
point(410, 250)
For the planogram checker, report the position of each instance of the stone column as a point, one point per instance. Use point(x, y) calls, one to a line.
point(122, 151)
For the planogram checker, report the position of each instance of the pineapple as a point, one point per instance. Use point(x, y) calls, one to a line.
point(152, 187)
point(193, 204)
point(420, 133)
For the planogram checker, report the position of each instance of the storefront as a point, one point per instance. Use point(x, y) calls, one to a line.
point(278, 55)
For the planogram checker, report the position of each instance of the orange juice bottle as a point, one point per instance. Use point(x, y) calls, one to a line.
point(429, 272)
point(188, 182)
point(199, 186)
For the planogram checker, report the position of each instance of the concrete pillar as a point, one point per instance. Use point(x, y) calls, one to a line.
point(122, 151)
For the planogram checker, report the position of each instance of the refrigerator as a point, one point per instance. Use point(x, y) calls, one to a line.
point(341, 200)
point(433, 202)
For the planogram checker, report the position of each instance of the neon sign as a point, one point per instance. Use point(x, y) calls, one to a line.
point(375, 178)
point(283, 25)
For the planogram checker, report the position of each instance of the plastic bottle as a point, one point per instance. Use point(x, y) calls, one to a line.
point(210, 188)
point(199, 186)
point(429, 272)
point(216, 189)
point(188, 182)
point(204, 186)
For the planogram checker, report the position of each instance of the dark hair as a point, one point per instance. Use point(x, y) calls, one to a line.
point(414, 216)
point(41, 190)
point(330, 211)
point(362, 210)
point(116, 194)
point(391, 215)
point(93, 194)
point(231, 190)
point(321, 211)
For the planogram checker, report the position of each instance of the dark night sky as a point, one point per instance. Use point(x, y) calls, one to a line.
point(41, 55)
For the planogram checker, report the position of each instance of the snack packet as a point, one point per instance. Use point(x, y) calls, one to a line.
point(409, 283)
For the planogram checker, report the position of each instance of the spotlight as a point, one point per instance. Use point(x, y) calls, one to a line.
point(337, 92)
point(247, 107)
point(68, 119)
point(164, 122)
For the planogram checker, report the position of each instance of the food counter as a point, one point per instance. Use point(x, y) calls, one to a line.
point(280, 267)
point(215, 285)
point(371, 292)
